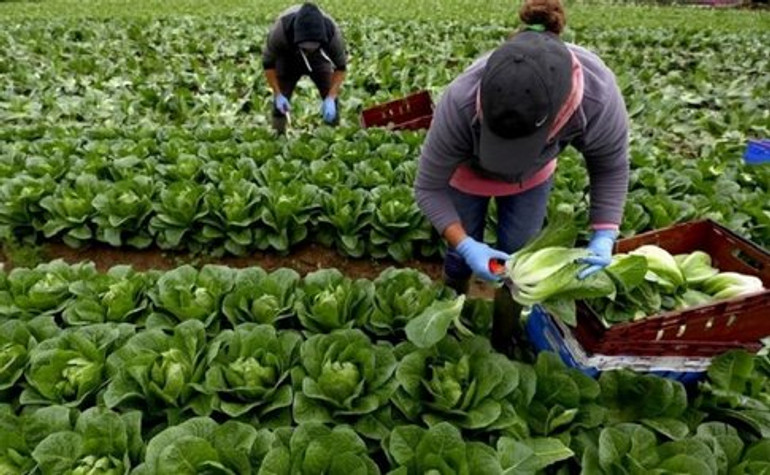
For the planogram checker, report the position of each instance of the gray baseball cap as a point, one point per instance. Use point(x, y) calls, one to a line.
point(524, 84)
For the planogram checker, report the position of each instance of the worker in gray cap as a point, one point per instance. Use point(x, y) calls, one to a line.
point(304, 40)
point(496, 134)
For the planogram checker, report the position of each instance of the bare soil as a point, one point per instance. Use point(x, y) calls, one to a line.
point(304, 259)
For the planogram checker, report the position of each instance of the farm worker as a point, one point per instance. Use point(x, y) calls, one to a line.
point(497, 131)
point(304, 40)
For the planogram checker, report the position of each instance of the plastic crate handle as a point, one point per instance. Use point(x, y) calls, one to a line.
point(747, 259)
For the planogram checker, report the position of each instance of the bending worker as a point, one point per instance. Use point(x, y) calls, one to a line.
point(304, 41)
point(497, 131)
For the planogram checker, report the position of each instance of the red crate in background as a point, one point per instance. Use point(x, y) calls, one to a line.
point(412, 113)
point(705, 330)
point(715, 3)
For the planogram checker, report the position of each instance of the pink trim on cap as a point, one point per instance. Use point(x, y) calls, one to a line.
point(573, 100)
point(467, 180)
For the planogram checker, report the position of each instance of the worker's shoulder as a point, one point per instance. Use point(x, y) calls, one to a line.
point(461, 92)
point(598, 79)
point(289, 11)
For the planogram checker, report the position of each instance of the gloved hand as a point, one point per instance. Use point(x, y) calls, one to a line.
point(600, 246)
point(329, 110)
point(477, 255)
point(282, 103)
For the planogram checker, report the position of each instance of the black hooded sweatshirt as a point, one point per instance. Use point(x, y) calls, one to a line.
point(282, 40)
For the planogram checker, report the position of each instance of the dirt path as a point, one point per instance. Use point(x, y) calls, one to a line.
point(304, 259)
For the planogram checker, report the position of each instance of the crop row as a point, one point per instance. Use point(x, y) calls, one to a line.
point(131, 143)
point(244, 371)
point(217, 191)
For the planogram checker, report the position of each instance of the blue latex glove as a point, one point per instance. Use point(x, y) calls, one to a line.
point(329, 110)
point(600, 246)
point(282, 103)
point(477, 255)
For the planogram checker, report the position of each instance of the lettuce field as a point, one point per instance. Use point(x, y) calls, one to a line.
point(144, 127)
point(137, 133)
point(220, 370)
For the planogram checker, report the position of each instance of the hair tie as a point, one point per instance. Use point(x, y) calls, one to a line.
point(535, 27)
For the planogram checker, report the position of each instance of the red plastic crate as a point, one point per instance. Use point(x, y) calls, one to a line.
point(716, 3)
point(412, 113)
point(706, 330)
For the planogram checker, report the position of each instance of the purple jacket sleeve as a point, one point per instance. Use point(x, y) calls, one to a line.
point(604, 146)
point(448, 143)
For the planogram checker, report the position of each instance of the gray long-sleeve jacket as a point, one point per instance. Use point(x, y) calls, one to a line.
point(598, 129)
point(280, 40)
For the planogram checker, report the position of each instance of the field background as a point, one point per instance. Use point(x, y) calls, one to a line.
point(581, 13)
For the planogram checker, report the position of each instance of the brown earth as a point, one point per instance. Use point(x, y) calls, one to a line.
point(304, 259)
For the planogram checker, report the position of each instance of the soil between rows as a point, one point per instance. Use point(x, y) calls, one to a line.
point(304, 259)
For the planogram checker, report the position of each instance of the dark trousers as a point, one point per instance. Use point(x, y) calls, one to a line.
point(290, 69)
point(519, 218)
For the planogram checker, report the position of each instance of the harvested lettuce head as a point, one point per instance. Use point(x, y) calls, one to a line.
point(696, 267)
point(727, 285)
point(662, 268)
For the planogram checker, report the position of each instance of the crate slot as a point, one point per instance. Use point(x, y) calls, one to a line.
point(748, 260)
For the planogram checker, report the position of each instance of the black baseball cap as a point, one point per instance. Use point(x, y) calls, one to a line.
point(524, 84)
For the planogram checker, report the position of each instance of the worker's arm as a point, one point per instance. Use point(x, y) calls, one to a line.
point(337, 78)
point(454, 234)
point(605, 148)
point(272, 80)
point(339, 58)
point(448, 144)
point(275, 45)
